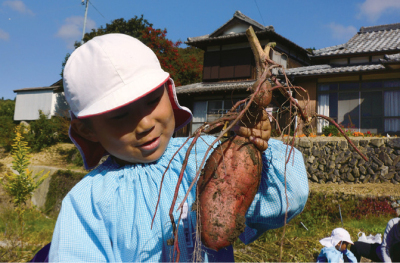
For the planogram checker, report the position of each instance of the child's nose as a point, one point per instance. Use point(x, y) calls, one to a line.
point(146, 124)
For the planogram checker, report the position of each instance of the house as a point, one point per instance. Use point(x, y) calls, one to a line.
point(356, 83)
point(50, 100)
point(229, 68)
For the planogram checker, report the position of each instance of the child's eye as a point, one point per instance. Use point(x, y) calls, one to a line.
point(154, 100)
point(120, 116)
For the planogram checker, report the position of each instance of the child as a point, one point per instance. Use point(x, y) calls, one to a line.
point(123, 104)
point(335, 249)
point(387, 251)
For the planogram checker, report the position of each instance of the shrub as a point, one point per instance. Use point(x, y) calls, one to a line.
point(330, 130)
point(61, 183)
point(72, 156)
point(45, 132)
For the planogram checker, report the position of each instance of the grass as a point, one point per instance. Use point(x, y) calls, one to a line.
point(320, 217)
point(37, 232)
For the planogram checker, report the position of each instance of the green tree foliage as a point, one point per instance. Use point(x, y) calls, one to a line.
point(7, 125)
point(45, 132)
point(183, 64)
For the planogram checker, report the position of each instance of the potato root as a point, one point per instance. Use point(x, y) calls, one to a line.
point(226, 188)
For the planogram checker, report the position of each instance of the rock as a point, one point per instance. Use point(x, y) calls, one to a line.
point(394, 143)
point(362, 177)
point(398, 212)
point(353, 162)
point(350, 177)
point(385, 158)
point(361, 162)
point(322, 161)
point(396, 160)
point(331, 165)
point(311, 159)
point(377, 161)
point(390, 175)
point(374, 167)
point(364, 142)
point(314, 178)
point(345, 159)
point(363, 170)
point(305, 143)
point(336, 172)
point(327, 150)
point(333, 157)
point(394, 181)
point(315, 151)
point(321, 167)
point(343, 145)
point(377, 142)
point(338, 166)
point(322, 143)
point(367, 178)
point(397, 177)
point(370, 171)
point(384, 170)
point(356, 172)
point(322, 181)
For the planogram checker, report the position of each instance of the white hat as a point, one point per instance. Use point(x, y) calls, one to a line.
point(338, 234)
point(108, 72)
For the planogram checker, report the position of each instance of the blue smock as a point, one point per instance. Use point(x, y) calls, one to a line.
point(332, 255)
point(107, 215)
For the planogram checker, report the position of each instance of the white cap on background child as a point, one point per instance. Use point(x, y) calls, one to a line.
point(338, 234)
point(109, 72)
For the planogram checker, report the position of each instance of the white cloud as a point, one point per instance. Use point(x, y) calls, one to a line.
point(373, 9)
point(342, 32)
point(19, 6)
point(71, 30)
point(4, 35)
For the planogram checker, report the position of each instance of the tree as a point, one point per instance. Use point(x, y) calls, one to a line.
point(183, 64)
point(20, 185)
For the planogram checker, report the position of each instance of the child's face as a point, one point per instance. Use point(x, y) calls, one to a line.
point(138, 132)
point(341, 246)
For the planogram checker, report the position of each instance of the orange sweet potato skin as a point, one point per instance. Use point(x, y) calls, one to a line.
point(226, 188)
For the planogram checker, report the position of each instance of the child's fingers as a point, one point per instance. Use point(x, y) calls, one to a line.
point(252, 121)
point(263, 134)
point(260, 144)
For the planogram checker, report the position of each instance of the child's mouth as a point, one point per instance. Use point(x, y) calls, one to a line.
point(150, 145)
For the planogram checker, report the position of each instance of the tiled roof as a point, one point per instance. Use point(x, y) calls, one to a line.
point(55, 86)
point(329, 69)
point(219, 86)
point(390, 58)
point(368, 39)
point(243, 18)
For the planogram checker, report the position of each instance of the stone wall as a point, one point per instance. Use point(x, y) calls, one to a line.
point(331, 159)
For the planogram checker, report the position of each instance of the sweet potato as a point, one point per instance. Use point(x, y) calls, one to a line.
point(226, 188)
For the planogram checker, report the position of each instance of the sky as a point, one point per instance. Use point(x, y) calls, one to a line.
point(36, 35)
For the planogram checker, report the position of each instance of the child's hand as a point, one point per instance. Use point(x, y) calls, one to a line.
point(258, 131)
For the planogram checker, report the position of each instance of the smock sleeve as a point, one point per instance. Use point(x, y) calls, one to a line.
point(268, 208)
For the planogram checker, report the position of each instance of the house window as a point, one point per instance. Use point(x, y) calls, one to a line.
point(362, 106)
point(208, 111)
point(280, 58)
point(392, 111)
point(228, 64)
